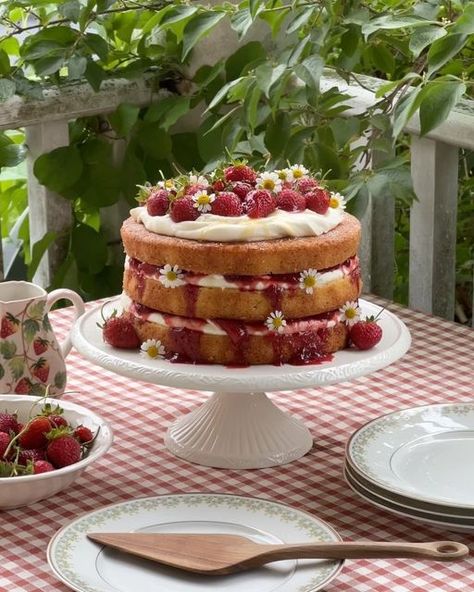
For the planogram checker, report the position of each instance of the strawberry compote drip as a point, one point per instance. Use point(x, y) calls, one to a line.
point(238, 334)
point(309, 347)
point(186, 344)
point(274, 294)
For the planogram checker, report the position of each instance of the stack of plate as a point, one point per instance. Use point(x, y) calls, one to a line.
point(417, 463)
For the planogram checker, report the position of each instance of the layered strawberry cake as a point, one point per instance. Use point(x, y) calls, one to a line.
point(241, 267)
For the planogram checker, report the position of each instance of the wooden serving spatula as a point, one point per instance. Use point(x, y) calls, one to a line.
point(215, 554)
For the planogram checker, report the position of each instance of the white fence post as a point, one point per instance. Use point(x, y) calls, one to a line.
point(47, 210)
point(434, 167)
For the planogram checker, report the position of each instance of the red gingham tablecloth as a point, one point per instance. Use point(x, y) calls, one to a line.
point(438, 368)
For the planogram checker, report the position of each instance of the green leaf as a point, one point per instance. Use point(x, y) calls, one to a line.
point(103, 184)
point(438, 100)
point(247, 56)
point(392, 22)
point(4, 63)
point(223, 92)
point(424, 36)
point(38, 249)
point(97, 45)
point(155, 141)
point(17, 367)
point(382, 58)
point(59, 169)
point(2, 371)
point(300, 19)
point(297, 51)
point(70, 10)
point(255, 6)
point(89, 248)
point(7, 349)
point(133, 174)
point(30, 329)
point(49, 65)
point(177, 13)
point(185, 151)
point(250, 107)
point(76, 67)
point(465, 22)
point(277, 133)
point(168, 110)
point(404, 110)
point(12, 154)
point(310, 71)
point(94, 75)
point(199, 27)
point(123, 119)
point(96, 150)
point(241, 21)
point(267, 75)
point(443, 50)
point(7, 89)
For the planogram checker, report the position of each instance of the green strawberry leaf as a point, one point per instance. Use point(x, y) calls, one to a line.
point(7, 349)
point(60, 380)
point(17, 367)
point(30, 329)
point(36, 311)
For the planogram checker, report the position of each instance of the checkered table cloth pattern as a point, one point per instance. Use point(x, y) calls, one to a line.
point(438, 368)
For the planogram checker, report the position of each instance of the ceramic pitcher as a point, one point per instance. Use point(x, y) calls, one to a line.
point(31, 360)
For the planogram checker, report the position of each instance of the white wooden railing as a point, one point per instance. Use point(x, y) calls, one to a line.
point(434, 166)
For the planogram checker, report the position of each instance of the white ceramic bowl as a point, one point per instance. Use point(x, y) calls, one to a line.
point(25, 490)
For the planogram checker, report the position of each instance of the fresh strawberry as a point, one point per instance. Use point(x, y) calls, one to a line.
point(9, 423)
point(318, 200)
point(291, 201)
point(58, 421)
point(241, 189)
point(183, 210)
point(4, 442)
point(259, 203)
point(32, 454)
point(120, 332)
point(83, 434)
point(158, 203)
point(63, 451)
point(23, 386)
point(240, 172)
point(192, 189)
point(42, 466)
point(40, 345)
point(219, 185)
point(307, 184)
point(40, 369)
point(365, 334)
point(9, 325)
point(227, 204)
point(34, 433)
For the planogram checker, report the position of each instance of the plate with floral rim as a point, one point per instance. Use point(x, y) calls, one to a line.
point(424, 453)
point(86, 566)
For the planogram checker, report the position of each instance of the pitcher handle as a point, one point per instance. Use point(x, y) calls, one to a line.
point(78, 303)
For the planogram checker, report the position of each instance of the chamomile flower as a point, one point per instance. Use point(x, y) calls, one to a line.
point(298, 171)
point(269, 181)
point(285, 175)
point(171, 277)
point(203, 200)
point(276, 321)
point(167, 184)
point(350, 313)
point(152, 348)
point(337, 202)
point(309, 278)
point(198, 180)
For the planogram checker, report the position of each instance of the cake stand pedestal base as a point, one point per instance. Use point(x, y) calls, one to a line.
point(238, 431)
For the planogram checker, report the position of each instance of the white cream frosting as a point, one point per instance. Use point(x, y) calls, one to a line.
point(209, 227)
point(211, 328)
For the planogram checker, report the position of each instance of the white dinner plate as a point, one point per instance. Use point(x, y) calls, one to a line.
point(458, 525)
point(86, 566)
point(424, 453)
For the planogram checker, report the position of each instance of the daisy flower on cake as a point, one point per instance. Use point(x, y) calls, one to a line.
point(276, 322)
point(171, 276)
point(350, 313)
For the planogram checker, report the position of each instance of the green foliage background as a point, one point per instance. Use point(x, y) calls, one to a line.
point(263, 103)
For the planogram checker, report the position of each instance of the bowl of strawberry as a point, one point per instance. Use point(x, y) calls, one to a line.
point(44, 447)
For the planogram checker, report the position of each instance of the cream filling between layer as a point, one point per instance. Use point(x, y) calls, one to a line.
point(211, 328)
point(219, 281)
point(209, 227)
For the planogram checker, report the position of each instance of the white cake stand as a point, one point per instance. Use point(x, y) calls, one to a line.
point(239, 427)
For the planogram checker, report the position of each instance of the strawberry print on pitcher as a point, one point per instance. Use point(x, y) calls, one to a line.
point(31, 360)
